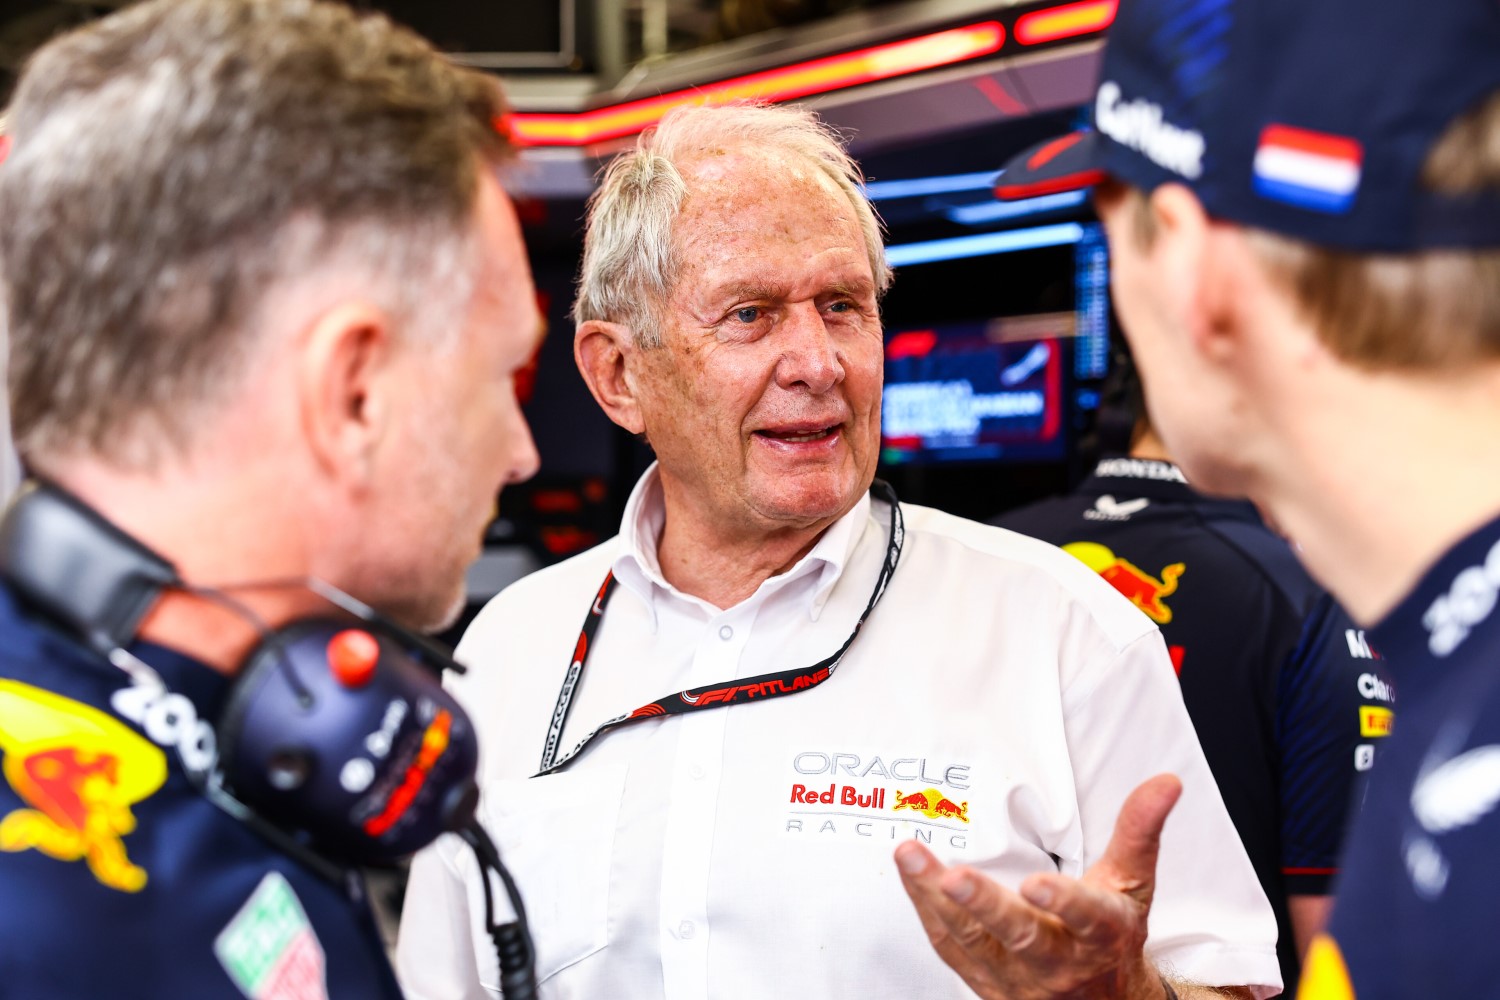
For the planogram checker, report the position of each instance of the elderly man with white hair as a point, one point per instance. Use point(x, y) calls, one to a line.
point(783, 673)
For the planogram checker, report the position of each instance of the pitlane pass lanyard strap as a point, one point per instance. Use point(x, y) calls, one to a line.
point(761, 687)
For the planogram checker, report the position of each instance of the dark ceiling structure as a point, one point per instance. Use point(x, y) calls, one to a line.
point(577, 60)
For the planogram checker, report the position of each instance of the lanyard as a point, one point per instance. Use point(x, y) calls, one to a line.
point(761, 687)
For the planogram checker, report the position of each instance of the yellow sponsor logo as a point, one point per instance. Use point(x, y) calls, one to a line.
point(1324, 974)
point(80, 770)
point(1375, 721)
point(1144, 590)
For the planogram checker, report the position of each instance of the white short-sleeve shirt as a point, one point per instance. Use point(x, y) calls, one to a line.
point(999, 705)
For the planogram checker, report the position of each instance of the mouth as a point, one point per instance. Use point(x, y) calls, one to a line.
point(799, 435)
point(804, 441)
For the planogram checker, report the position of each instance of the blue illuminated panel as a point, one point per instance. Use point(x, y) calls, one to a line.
point(1091, 275)
point(1009, 241)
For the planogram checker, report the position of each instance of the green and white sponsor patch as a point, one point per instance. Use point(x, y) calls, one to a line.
point(269, 949)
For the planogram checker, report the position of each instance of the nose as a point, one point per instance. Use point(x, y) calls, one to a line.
point(809, 355)
point(521, 458)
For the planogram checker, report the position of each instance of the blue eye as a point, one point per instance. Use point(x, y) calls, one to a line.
point(841, 306)
point(749, 314)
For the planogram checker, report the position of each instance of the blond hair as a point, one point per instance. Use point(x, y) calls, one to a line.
point(1429, 309)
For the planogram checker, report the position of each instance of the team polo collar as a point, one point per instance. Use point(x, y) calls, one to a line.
point(638, 570)
point(1453, 606)
point(1141, 476)
point(205, 687)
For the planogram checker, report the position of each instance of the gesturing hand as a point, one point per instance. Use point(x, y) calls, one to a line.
point(1059, 937)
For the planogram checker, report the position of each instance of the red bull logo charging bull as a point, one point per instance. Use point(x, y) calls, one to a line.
point(933, 804)
point(79, 770)
point(1144, 590)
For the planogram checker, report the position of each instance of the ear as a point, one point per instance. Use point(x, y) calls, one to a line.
point(606, 354)
point(342, 399)
point(1196, 274)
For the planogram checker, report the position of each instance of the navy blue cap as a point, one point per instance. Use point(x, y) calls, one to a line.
point(1311, 118)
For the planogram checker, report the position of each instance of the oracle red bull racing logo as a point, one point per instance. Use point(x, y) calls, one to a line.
point(867, 799)
point(1144, 590)
point(79, 770)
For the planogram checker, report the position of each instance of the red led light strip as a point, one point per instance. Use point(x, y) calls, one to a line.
point(819, 76)
point(1067, 21)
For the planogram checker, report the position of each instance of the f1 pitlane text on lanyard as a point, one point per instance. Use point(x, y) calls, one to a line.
point(761, 687)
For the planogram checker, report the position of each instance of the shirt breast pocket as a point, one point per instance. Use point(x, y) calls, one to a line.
point(556, 836)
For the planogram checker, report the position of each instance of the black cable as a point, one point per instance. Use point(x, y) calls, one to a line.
point(513, 945)
point(269, 637)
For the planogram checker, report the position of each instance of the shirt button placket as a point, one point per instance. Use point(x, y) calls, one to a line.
point(693, 808)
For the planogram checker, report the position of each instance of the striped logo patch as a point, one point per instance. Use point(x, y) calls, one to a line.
point(1312, 170)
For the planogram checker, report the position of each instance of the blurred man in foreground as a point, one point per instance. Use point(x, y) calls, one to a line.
point(265, 296)
point(1303, 205)
point(1288, 698)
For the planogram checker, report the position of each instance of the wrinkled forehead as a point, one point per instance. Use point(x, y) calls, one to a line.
point(743, 173)
point(723, 183)
point(734, 162)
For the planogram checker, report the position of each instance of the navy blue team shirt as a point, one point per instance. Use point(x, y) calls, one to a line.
point(117, 878)
point(1418, 901)
point(1288, 698)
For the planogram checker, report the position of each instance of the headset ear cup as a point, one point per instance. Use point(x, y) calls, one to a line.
point(368, 765)
point(247, 681)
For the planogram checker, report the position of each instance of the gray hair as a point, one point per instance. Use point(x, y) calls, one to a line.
point(175, 164)
point(10, 470)
point(629, 262)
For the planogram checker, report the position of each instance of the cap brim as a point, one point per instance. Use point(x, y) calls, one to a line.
point(1067, 163)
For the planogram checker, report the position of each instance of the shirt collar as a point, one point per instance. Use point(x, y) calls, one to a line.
point(637, 569)
point(32, 636)
point(1141, 476)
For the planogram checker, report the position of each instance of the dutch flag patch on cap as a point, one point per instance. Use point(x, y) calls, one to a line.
point(1312, 170)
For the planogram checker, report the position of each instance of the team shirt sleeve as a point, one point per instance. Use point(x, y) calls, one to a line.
point(1317, 721)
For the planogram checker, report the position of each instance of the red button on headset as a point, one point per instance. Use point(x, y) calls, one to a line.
point(352, 655)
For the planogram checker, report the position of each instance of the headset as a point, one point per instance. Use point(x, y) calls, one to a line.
point(337, 741)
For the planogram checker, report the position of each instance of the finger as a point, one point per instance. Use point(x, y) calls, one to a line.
point(920, 874)
point(1129, 862)
point(944, 921)
point(1013, 923)
point(925, 879)
point(1098, 918)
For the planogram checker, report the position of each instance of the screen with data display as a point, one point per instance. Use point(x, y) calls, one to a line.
point(973, 392)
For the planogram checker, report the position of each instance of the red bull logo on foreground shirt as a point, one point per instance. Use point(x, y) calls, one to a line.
point(79, 771)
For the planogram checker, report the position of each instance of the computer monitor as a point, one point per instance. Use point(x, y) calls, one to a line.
point(1014, 362)
point(976, 391)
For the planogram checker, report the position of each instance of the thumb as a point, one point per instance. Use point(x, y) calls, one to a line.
point(1129, 862)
